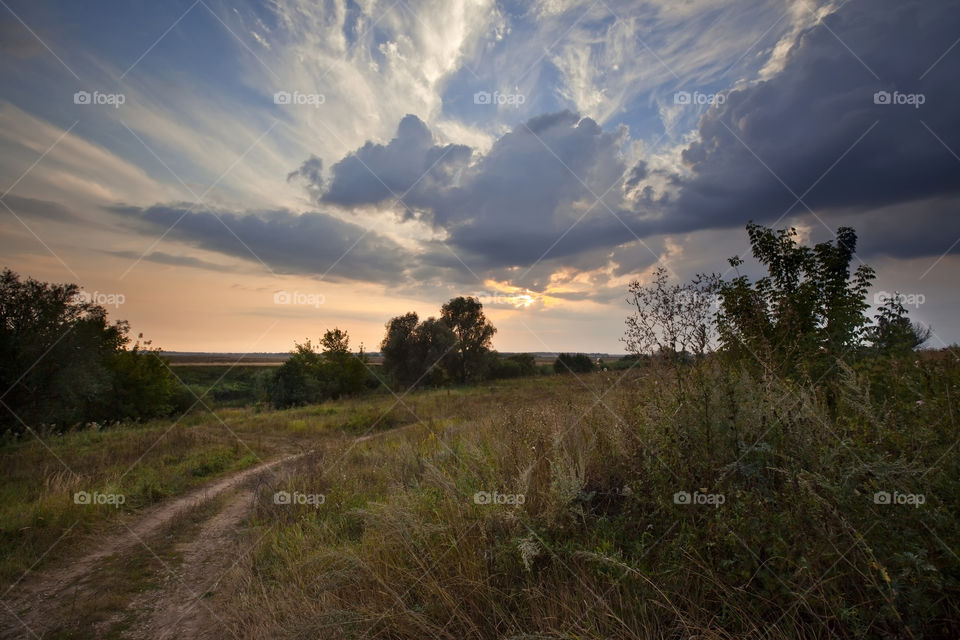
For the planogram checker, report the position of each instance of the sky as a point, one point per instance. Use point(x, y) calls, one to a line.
point(239, 176)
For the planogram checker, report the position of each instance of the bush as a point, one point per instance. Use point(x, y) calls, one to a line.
point(143, 386)
point(513, 366)
point(808, 311)
point(308, 377)
point(573, 363)
point(627, 362)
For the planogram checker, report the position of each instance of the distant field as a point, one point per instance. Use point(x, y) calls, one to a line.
point(276, 359)
point(226, 359)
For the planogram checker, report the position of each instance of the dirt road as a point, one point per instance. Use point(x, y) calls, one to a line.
point(178, 550)
point(34, 606)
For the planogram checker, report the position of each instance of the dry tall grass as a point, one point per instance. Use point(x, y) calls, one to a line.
point(599, 548)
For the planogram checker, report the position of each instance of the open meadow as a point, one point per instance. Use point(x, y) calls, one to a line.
point(602, 505)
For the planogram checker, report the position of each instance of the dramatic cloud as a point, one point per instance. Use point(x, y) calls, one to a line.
point(376, 173)
point(512, 204)
point(560, 146)
point(560, 190)
point(822, 128)
point(311, 243)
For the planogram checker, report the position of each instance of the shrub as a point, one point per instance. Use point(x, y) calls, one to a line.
point(573, 363)
point(308, 377)
point(513, 366)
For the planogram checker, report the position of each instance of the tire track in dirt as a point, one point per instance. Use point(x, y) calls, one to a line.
point(176, 611)
point(179, 610)
point(38, 593)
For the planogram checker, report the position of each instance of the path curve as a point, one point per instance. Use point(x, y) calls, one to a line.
point(65, 581)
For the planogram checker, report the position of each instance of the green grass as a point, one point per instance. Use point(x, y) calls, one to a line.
point(146, 463)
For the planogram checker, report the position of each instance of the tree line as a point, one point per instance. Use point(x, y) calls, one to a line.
point(454, 348)
point(63, 363)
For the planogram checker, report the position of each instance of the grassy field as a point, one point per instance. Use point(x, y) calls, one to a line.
point(146, 463)
point(783, 534)
point(638, 505)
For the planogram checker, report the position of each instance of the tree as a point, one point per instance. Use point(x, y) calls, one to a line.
point(526, 362)
point(143, 386)
point(432, 348)
point(465, 317)
point(342, 372)
point(63, 363)
point(396, 348)
point(573, 363)
point(893, 333)
point(308, 377)
point(670, 318)
point(298, 380)
point(808, 310)
point(513, 366)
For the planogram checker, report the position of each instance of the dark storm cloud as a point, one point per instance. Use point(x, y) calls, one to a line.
point(557, 191)
point(770, 143)
point(908, 230)
point(507, 208)
point(812, 131)
point(534, 184)
point(310, 243)
point(408, 165)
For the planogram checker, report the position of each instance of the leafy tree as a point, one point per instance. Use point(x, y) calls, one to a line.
point(62, 362)
point(465, 317)
point(432, 349)
point(143, 385)
point(526, 362)
point(808, 310)
point(342, 372)
point(307, 376)
point(502, 368)
point(298, 379)
point(415, 351)
point(893, 333)
point(513, 366)
point(573, 363)
point(397, 348)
